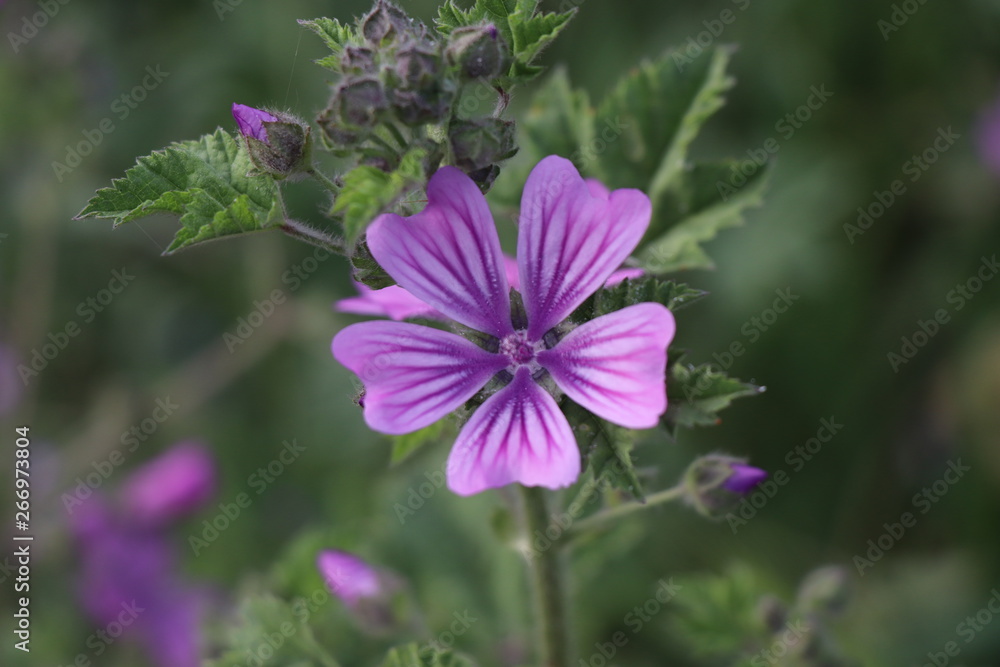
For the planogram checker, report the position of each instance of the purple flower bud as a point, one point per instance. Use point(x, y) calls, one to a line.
point(744, 478)
point(348, 577)
point(251, 121)
point(175, 484)
point(715, 484)
point(479, 51)
point(278, 143)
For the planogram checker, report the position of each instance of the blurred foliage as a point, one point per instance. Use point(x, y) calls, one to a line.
point(827, 355)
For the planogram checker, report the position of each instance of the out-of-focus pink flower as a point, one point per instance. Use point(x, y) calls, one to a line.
point(989, 136)
point(129, 586)
point(173, 485)
point(348, 577)
point(129, 583)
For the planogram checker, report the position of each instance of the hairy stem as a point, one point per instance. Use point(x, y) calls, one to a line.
point(549, 586)
point(325, 181)
point(311, 235)
point(601, 519)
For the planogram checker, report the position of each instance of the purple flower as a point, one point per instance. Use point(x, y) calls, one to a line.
point(348, 577)
point(129, 586)
point(989, 136)
point(251, 121)
point(572, 237)
point(174, 484)
point(396, 303)
point(743, 478)
point(393, 302)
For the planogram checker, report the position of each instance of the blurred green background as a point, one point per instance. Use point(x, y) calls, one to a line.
point(826, 358)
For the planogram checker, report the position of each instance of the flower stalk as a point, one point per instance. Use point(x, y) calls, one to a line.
point(549, 585)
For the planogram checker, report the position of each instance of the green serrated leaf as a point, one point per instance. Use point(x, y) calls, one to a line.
point(531, 33)
point(696, 394)
point(605, 444)
point(629, 292)
point(696, 207)
point(368, 191)
point(415, 655)
point(335, 35)
point(525, 30)
point(658, 110)
point(207, 182)
point(405, 445)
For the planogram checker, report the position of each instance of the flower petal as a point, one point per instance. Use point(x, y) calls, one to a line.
point(614, 365)
point(448, 255)
point(393, 302)
point(174, 484)
point(570, 241)
point(517, 435)
point(622, 275)
point(413, 375)
point(251, 121)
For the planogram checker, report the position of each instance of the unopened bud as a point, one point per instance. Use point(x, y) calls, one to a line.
point(359, 101)
point(375, 598)
point(416, 88)
point(478, 144)
point(358, 60)
point(479, 52)
point(384, 21)
point(279, 144)
point(715, 484)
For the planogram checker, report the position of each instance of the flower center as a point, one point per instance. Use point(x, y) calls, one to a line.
point(518, 349)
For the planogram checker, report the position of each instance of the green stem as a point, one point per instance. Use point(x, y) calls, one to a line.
point(325, 181)
point(600, 519)
point(313, 236)
point(547, 569)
